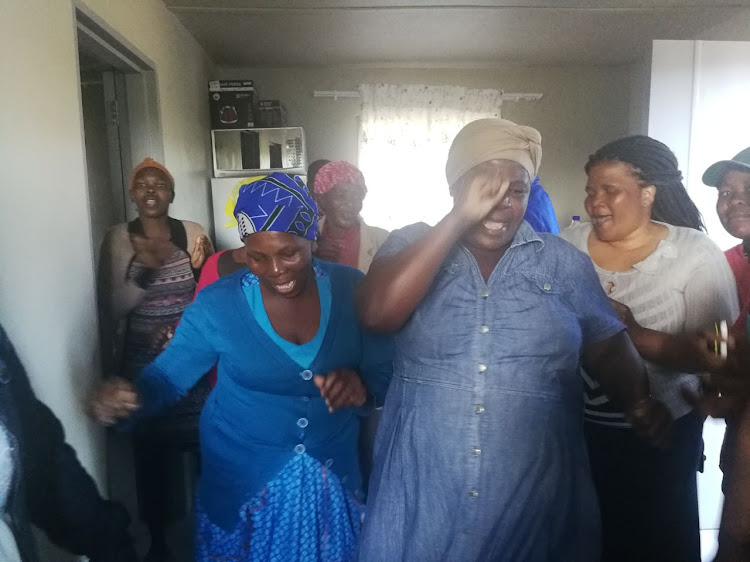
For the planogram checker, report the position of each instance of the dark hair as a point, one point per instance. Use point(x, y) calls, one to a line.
point(654, 164)
point(312, 171)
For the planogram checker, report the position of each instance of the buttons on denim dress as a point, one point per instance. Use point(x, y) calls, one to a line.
point(481, 367)
point(479, 409)
point(546, 286)
point(299, 449)
point(306, 374)
point(484, 329)
point(303, 423)
point(485, 293)
point(473, 494)
point(476, 452)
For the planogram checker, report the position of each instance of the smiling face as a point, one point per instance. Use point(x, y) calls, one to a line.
point(281, 261)
point(152, 192)
point(496, 231)
point(342, 204)
point(616, 201)
point(733, 204)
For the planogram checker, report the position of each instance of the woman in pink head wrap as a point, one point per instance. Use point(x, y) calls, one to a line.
point(344, 237)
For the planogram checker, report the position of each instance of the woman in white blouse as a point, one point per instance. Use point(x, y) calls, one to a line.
point(665, 278)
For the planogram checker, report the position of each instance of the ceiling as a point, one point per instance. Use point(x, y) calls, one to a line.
point(310, 33)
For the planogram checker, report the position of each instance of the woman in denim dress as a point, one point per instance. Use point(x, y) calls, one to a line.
point(480, 454)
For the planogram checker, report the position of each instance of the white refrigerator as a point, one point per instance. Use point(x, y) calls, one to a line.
point(224, 196)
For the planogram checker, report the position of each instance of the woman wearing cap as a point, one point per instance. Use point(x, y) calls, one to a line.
point(666, 278)
point(147, 276)
point(344, 237)
point(730, 389)
point(480, 453)
point(280, 477)
point(732, 180)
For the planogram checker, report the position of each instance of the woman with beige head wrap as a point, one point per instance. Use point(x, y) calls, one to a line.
point(480, 452)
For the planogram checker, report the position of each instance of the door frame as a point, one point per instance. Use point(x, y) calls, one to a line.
point(136, 90)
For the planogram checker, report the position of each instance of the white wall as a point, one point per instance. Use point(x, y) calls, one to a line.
point(639, 94)
point(582, 108)
point(699, 107)
point(47, 297)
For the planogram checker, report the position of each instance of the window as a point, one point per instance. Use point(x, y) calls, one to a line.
point(404, 137)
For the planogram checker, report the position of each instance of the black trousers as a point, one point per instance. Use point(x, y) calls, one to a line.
point(648, 496)
point(165, 480)
point(167, 458)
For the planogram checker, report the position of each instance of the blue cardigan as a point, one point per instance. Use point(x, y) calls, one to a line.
point(265, 407)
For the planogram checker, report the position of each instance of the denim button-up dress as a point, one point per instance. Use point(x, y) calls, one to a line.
point(480, 452)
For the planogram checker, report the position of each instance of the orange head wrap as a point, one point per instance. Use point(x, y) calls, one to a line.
point(151, 163)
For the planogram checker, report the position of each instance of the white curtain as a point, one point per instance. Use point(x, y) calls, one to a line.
point(404, 136)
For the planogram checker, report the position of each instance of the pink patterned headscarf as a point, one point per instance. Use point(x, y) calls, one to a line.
point(334, 173)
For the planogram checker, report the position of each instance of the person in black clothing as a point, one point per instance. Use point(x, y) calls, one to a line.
point(42, 482)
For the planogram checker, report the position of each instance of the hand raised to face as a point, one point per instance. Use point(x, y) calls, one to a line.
point(480, 193)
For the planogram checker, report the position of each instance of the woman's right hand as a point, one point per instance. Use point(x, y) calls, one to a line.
point(327, 250)
point(113, 399)
point(479, 194)
point(151, 252)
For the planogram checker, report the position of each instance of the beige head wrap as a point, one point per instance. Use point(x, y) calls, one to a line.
point(493, 139)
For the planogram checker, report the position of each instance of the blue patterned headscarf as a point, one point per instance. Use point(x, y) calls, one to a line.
point(279, 203)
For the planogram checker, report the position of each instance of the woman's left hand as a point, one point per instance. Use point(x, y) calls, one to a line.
point(161, 337)
point(341, 388)
point(201, 251)
point(651, 420)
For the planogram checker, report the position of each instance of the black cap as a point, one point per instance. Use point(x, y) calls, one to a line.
point(715, 172)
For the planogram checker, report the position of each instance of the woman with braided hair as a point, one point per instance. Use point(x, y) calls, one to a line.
point(666, 280)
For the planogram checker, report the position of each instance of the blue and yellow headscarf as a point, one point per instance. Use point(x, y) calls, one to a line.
point(279, 203)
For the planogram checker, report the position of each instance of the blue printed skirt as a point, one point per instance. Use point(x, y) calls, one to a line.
point(305, 514)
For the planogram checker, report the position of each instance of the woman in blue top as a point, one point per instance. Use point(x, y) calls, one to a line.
point(480, 454)
point(280, 478)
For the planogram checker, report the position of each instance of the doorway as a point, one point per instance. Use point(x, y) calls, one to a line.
point(106, 144)
point(121, 126)
point(120, 119)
